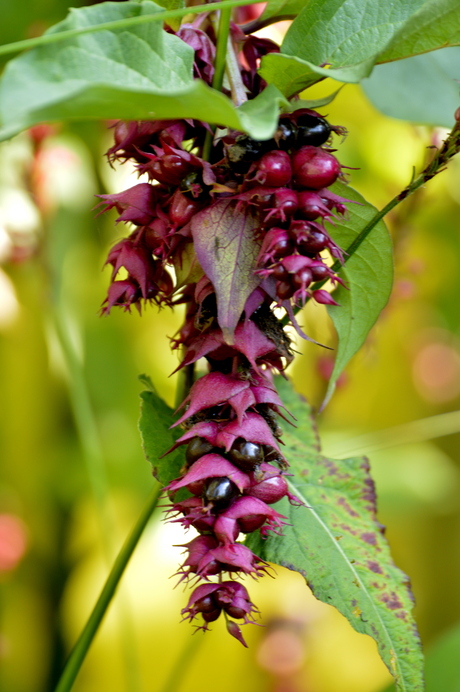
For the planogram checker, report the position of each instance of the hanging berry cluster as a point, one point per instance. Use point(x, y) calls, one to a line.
point(235, 470)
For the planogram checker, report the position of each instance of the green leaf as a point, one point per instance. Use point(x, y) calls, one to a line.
point(337, 544)
point(346, 32)
point(282, 9)
point(343, 39)
point(368, 275)
point(227, 248)
point(423, 89)
point(134, 74)
point(154, 426)
point(291, 74)
point(442, 669)
point(435, 25)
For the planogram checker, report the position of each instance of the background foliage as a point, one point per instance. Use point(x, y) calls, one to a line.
point(409, 369)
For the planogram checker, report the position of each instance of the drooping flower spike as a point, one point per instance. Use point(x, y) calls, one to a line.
point(235, 469)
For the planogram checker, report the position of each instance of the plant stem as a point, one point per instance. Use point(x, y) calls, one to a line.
point(221, 49)
point(46, 39)
point(83, 644)
point(450, 147)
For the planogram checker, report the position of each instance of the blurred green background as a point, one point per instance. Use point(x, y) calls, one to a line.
point(57, 534)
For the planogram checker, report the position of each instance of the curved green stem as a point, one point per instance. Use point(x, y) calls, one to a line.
point(84, 642)
point(450, 147)
point(45, 40)
point(221, 48)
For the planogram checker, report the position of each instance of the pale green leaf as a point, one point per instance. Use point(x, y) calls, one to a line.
point(423, 89)
point(337, 544)
point(368, 275)
point(291, 74)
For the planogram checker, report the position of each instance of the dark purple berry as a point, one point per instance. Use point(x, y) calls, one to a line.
point(280, 273)
point(314, 168)
point(251, 522)
point(205, 605)
point(311, 205)
point(197, 448)
point(246, 455)
point(220, 491)
point(316, 242)
point(320, 272)
point(284, 290)
point(211, 615)
point(235, 612)
point(274, 169)
point(303, 278)
point(182, 209)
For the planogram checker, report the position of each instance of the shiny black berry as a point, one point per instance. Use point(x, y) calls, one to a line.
point(312, 129)
point(246, 455)
point(220, 491)
point(286, 135)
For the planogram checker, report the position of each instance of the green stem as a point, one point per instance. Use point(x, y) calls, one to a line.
point(219, 69)
point(86, 426)
point(450, 147)
point(45, 40)
point(221, 49)
point(83, 644)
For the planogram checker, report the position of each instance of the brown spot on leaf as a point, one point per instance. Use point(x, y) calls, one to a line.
point(369, 537)
point(391, 600)
point(401, 615)
point(348, 529)
point(343, 503)
point(374, 567)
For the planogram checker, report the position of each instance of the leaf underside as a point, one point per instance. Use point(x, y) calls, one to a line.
point(337, 544)
point(130, 74)
point(227, 247)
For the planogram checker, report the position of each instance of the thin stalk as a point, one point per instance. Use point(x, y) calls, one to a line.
point(84, 642)
point(95, 467)
point(223, 32)
point(47, 39)
point(86, 427)
point(450, 147)
point(221, 48)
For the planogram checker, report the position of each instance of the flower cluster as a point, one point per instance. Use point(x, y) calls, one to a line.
point(234, 467)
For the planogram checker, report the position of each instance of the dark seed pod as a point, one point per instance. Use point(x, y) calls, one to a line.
point(235, 612)
point(246, 455)
point(197, 448)
point(220, 491)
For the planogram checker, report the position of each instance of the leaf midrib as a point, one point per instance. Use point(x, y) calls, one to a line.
point(342, 553)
